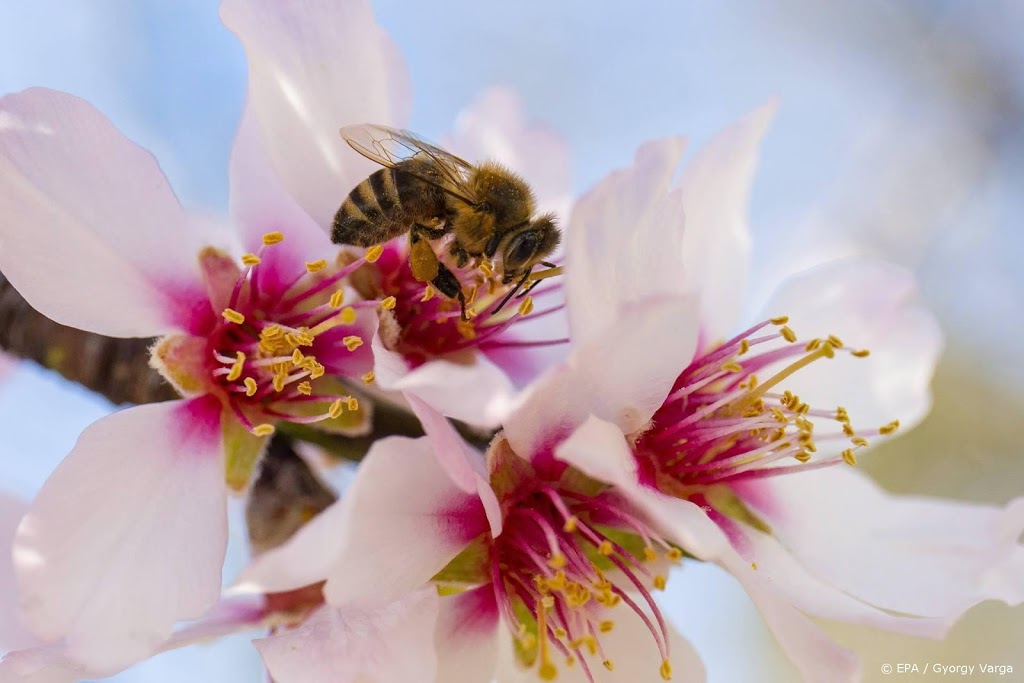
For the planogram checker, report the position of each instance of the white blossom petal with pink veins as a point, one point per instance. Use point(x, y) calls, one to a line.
point(719, 465)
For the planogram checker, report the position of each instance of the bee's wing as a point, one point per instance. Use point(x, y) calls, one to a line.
point(389, 147)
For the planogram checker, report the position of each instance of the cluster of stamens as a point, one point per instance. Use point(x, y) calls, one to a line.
point(722, 422)
point(551, 568)
point(272, 347)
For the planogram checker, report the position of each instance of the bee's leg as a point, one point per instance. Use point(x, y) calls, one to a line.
point(449, 285)
point(422, 258)
point(460, 254)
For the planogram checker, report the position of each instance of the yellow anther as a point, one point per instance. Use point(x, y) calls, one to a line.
point(560, 633)
point(526, 307)
point(859, 441)
point(279, 382)
point(557, 561)
point(732, 366)
point(316, 266)
point(352, 342)
point(337, 299)
point(674, 554)
point(250, 260)
point(842, 415)
point(297, 357)
point(486, 268)
point(316, 370)
point(744, 347)
point(812, 345)
point(889, 428)
point(788, 334)
point(352, 404)
point(558, 581)
point(336, 408)
point(570, 525)
point(237, 366)
point(660, 582)
point(606, 548)
point(835, 341)
point(802, 456)
point(781, 320)
point(606, 626)
point(666, 670)
point(347, 316)
point(233, 316)
point(609, 664)
point(828, 351)
point(861, 353)
point(547, 671)
point(753, 565)
point(428, 293)
point(250, 386)
point(368, 377)
point(649, 554)
point(388, 303)
point(849, 458)
point(273, 238)
point(803, 409)
point(263, 430)
point(305, 388)
point(373, 253)
point(848, 429)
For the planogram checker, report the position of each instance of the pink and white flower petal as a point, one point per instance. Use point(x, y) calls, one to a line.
point(260, 204)
point(92, 234)
point(471, 388)
point(494, 127)
point(314, 67)
point(393, 643)
point(622, 376)
point(940, 557)
point(43, 664)
point(715, 188)
point(128, 534)
point(13, 633)
point(467, 637)
point(599, 449)
point(867, 304)
point(611, 259)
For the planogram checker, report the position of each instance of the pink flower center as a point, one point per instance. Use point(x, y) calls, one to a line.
point(722, 422)
point(281, 333)
point(430, 324)
point(560, 566)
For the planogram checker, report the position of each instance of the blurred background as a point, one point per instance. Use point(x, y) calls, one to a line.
point(901, 133)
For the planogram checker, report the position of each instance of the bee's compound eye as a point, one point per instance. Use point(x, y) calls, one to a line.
point(523, 248)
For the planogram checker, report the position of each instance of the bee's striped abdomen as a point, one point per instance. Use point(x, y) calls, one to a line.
point(383, 206)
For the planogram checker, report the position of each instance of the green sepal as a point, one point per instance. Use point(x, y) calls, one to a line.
point(723, 499)
point(469, 567)
point(242, 450)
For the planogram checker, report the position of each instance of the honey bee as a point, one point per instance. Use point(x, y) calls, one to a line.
point(431, 193)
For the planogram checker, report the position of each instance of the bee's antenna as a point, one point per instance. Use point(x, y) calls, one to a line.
point(512, 292)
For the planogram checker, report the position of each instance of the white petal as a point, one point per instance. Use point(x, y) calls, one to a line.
point(468, 629)
point(259, 204)
point(473, 389)
point(867, 304)
point(390, 644)
point(919, 556)
point(622, 376)
point(624, 240)
point(128, 534)
point(91, 233)
point(42, 664)
point(13, 633)
point(314, 67)
point(715, 186)
point(405, 520)
point(494, 127)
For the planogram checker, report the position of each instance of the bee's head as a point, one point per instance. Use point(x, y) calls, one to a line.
point(526, 245)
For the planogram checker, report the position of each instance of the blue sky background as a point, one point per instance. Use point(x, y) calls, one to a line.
point(900, 133)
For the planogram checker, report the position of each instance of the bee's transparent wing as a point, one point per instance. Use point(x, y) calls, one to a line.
point(389, 147)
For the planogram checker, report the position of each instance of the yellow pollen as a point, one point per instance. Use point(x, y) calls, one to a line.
point(337, 299)
point(314, 266)
point(732, 366)
point(250, 260)
point(250, 386)
point(373, 253)
point(560, 633)
point(273, 238)
point(649, 554)
point(753, 565)
point(802, 456)
point(352, 404)
point(744, 347)
point(297, 357)
point(236, 368)
point(368, 377)
point(526, 307)
point(788, 334)
point(605, 548)
point(606, 626)
point(781, 320)
point(557, 560)
point(336, 408)
point(862, 353)
point(859, 441)
point(889, 428)
point(666, 670)
point(305, 388)
point(674, 554)
point(835, 341)
point(279, 383)
point(570, 525)
point(263, 430)
point(428, 293)
point(849, 458)
point(486, 268)
point(315, 369)
point(813, 345)
point(660, 582)
point(352, 342)
point(847, 429)
point(828, 350)
point(233, 316)
point(609, 664)
point(388, 303)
